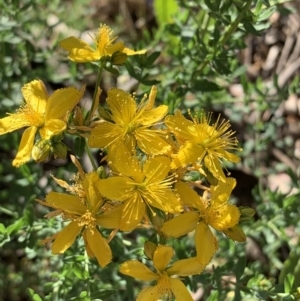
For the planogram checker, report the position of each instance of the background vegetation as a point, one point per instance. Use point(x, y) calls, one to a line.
point(236, 58)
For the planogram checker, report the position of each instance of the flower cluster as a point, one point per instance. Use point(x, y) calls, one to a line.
point(149, 157)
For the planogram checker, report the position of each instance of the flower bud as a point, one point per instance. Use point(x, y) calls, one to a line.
point(246, 213)
point(149, 249)
point(41, 150)
point(59, 150)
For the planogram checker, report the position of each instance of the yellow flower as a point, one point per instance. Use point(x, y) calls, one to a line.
point(81, 52)
point(140, 186)
point(214, 211)
point(40, 112)
point(203, 142)
point(166, 285)
point(130, 124)
point(84, 209)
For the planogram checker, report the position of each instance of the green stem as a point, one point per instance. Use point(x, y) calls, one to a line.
point(86, 267)
point(228, 34)
point(101, 67)
point(91, 157)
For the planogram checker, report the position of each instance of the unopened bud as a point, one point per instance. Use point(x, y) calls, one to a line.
point(41, 150)
point(246, 213)
point(59, 150)
point(101, 172)
point(149, 249)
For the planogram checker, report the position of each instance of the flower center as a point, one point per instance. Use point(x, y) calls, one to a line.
point(87, 219)
point(164, 287)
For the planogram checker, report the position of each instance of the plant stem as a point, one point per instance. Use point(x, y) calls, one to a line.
point(90, 155)
point(101, 67)
point(86, 268)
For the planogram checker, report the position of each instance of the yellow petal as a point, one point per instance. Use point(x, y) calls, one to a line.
point(13, 122)
point(163, 199)
point(150, 142)
point(179, 290)
point(128, 165)
point(150, 293)
point(36, 95)
point(189, 196)
point(162, 256)
point(25, 147)
point(236, 233)
point(213, 164)
point(92, 193)
point(83, 55)
point(132, 52)
point(72, 42)
point(228, 216)
point(62, 101)
point(150, 117)
point(181, 126)
point(115, 188)
point(87, 247)
point(137, 270)
point(231, 157)
point(221, 193)
point(99, 246)
point(110, 219)
point(186, 267)
point(66, 202)
point(189, 153)
point(133, 211)
point(51, 128)
point(181, 224)
point(111, 49)
point(65, 238)
point(157, 168)
point(151, 98)
point(104, 134)
point(122, 105)
point(206, 243)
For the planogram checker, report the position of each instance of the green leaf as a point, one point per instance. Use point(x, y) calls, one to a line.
point(266, 14)
point(79, 145)
point(79, 270)
point(131, 70)
point(16, 226)
point(266, 3)
point(149, 82)
point(211, 5)
point(165, 10)
point(240, 267)
point(249, 28)
point(2, 229)
point(28, 215)
point(220, 67)
point(152, 58)
point(204, 85)
point(33, 296)
point(288, 283)
point(103, 293)
point(213, 296)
